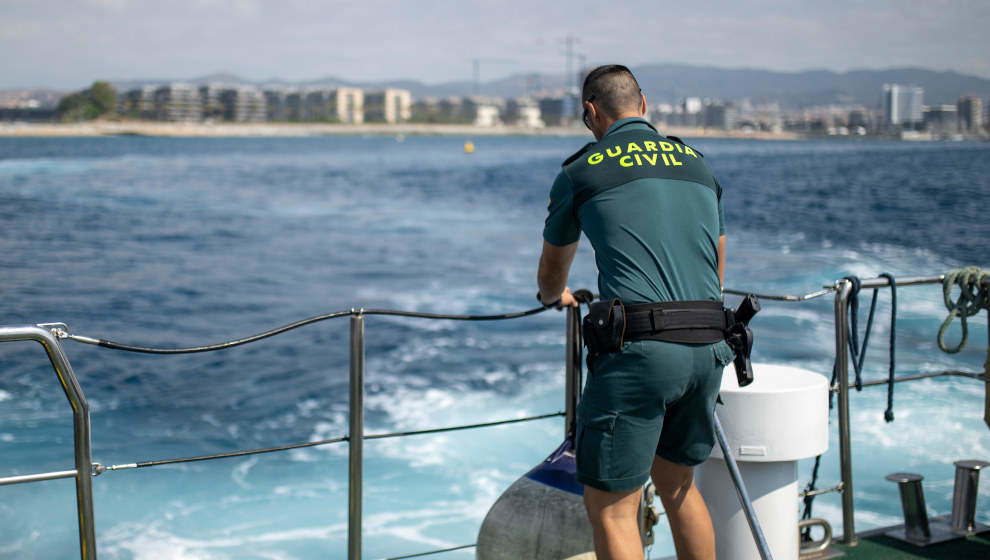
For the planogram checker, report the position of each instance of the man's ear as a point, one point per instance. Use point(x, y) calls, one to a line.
point(642, 104)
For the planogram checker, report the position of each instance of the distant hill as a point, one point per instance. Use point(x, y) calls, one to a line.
point(801, 89)
point(671, 82)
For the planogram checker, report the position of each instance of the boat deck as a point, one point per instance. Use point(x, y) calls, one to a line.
point(875, 545)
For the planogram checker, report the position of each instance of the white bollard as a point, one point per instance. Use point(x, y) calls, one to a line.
point(770, 424)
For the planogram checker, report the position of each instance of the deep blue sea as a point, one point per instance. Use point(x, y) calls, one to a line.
point(187, 241)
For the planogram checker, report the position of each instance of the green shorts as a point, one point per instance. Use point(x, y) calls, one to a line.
point(652, 398)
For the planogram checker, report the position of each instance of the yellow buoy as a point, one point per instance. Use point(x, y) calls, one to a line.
point(469, 147)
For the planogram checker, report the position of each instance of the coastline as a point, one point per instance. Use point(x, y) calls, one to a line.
point(224, 130)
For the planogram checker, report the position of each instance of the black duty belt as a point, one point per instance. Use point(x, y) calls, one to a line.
point(699, 322)
point(609, 324)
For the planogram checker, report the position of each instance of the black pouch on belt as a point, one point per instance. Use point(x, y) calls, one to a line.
point(604, 327)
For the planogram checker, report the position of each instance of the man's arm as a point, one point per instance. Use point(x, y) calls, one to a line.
point(555, 264)
point(721, 261)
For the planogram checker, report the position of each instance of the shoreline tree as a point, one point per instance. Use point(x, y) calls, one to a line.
point(98, 100)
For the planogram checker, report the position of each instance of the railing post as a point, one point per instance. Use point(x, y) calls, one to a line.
point(843, 289)
point(572, 383)
point(986, 378)
point(356, 439)
point(80, 430)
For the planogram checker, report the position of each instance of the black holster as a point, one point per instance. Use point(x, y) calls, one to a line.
point(603, 328)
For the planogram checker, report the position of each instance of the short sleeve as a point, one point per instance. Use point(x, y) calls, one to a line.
point(561, 227)
point(721, 210)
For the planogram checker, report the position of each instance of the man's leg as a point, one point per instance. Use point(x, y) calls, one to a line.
point(690, 523)
point(613, 519)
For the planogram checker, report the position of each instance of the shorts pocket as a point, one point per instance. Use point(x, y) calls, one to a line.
point(723, 353)
point(594, 442)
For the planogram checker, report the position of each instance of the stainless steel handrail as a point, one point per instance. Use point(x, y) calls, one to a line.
point(355, 442)
point(572, 377)
point(39, 477)
point(842, 290)
point(49, 338)
point(80, 428)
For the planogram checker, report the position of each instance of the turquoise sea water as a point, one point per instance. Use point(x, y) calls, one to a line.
point(174, 242)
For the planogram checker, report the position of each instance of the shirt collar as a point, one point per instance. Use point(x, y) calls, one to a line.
point(628, 123)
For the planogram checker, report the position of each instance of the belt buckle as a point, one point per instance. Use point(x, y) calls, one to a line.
point(656, 320)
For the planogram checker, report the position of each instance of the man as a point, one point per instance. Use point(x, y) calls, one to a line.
point(653, 212)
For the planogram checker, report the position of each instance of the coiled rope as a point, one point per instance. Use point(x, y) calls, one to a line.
point(973, 296)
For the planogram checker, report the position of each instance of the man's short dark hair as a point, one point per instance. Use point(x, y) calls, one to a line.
point(614, 88)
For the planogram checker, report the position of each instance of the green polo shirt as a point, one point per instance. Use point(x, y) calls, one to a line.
point(651, 209)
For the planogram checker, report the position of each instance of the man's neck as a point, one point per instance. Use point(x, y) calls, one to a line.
point(608, 123)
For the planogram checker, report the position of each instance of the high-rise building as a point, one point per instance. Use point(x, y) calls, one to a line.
point(552, 111)
point(243, 104)
point(941, 119)
point(138, 103)
point(720, 115)
point(341, 105)
point(902, 105)
point(294, 106)
point(523, 112)
point(389, 106)
point(970, 111)
point(349, 105)
point(692, 112)
point(487, 114)
point(276, 105)
point(209, 99)
point(314, 106)
point(178, 102)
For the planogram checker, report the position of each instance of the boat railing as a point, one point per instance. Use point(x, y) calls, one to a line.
point(843, 290)
point(50, 335)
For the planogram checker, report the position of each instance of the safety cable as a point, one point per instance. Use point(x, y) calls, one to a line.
point(463, 427)
point(809, 498)
point(583, 296)
point(101, 469)
point(243, 453)
point(254, 338)
point(825, 291)
point(419, 554)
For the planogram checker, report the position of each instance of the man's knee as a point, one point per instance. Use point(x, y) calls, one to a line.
point(602, 505)
point(671, 479)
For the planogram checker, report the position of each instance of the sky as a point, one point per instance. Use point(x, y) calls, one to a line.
point(66, 44)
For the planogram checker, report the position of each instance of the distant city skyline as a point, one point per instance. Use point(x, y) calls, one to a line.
point(66, 44)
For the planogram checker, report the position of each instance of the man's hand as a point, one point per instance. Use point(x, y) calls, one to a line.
point(566, 299)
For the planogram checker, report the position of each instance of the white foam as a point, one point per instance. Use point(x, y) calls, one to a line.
point(240, 472)
point(153, 542)
point(922, 427)
point(4, 395)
